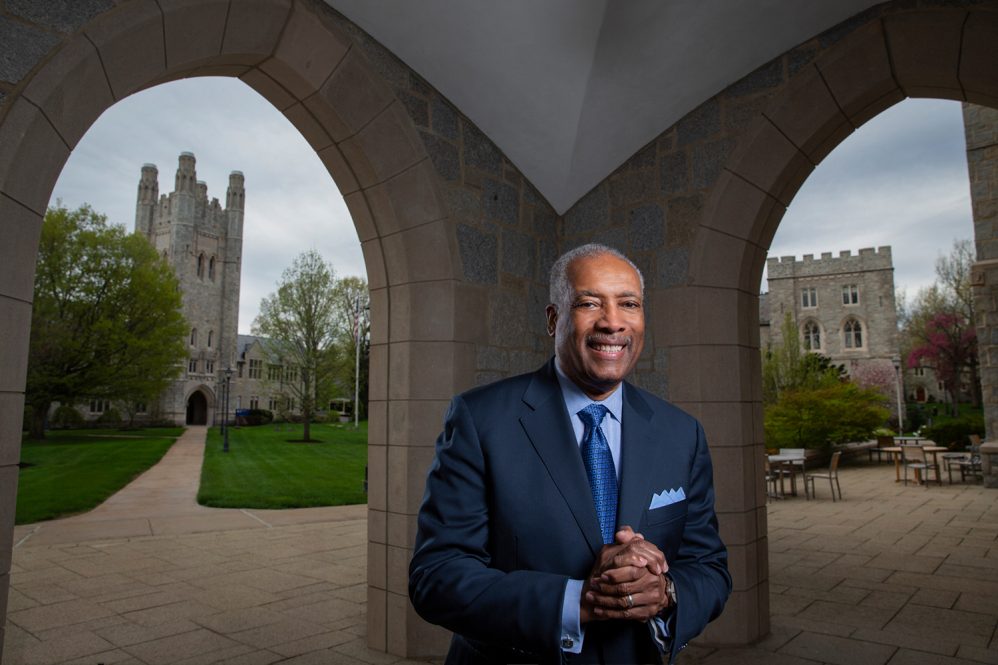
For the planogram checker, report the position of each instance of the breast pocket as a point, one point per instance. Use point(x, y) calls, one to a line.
point(666, 514)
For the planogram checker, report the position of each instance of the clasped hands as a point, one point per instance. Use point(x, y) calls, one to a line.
point(626, 581)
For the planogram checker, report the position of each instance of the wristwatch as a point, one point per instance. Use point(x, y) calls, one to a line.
point(670, 590)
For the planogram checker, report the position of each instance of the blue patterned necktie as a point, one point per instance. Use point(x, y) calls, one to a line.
point(599, 467)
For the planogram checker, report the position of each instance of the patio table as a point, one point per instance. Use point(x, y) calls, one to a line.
point(895, 452)
point(787, 462)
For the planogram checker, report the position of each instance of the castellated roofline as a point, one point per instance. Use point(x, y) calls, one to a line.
point(867, 258)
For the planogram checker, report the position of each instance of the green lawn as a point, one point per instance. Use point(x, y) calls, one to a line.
point(73, 471)
point(265, 468)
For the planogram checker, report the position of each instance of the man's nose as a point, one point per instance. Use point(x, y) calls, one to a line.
point(612, 319)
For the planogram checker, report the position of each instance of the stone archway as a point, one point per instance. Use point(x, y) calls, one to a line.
point(939, 52)
point(197, 409)
point(301, 57)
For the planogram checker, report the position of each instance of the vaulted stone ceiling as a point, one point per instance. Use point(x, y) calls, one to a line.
point(569, 89)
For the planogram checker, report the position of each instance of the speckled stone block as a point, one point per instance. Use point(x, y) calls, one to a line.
point(23, 47)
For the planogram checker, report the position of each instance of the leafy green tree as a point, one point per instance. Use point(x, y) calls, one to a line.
point(938, 326)
point(354, 323)
point(106, 320)
point(300, 321)
point(809, 402)
point(786, 366)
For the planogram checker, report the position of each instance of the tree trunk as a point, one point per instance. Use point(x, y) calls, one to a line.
point(38, 414)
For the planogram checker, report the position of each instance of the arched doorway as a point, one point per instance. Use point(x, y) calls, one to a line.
point(315, 68)
point(197, 409)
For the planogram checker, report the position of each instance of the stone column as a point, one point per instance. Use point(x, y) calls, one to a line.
point(981, 131)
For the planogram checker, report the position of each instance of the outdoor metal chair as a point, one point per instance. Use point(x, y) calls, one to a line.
point(971, 466)
point(774, 479)
point(832, 475)
point(916, 459)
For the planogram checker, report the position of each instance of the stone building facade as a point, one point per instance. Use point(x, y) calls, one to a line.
point(843, 307)
point(203, 243)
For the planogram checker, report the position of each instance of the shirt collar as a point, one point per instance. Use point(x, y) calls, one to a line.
point(576, 400)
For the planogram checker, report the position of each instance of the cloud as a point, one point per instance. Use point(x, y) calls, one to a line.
point(292, 204)
point(900, 180)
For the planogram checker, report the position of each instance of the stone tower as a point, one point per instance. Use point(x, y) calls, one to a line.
point(203, 242)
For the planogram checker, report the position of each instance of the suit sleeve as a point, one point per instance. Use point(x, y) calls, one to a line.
point(451, 581)
point(700, 572)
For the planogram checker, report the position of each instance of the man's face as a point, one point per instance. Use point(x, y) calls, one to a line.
point(599, 333)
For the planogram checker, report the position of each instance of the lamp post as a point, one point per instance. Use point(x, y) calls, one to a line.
point(225, 419)
point(356, 375)
point(900, 390)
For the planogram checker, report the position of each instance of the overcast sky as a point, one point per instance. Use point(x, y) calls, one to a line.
point(899, 180)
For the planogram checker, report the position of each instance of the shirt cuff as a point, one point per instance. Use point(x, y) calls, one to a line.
point(572, 632)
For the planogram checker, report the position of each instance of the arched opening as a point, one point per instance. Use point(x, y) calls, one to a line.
point(300, 58)
point(878, 64)
point(197, 409)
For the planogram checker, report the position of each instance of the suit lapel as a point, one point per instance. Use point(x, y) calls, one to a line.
point(550, 432)
point(638, 451)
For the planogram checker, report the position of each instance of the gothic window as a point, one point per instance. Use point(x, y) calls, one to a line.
point(809, 297)
point(274, 372)
point(812, 336)
point(254, 401)
point(200, 266)
point(853, 334)
point(211, 334)
point(850, 294)
point(209, 366)
point(211, 269)
point(194, 336)
point(192, 365)
point(255, 369)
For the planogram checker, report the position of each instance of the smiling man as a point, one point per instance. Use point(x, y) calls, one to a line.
point(568, 515)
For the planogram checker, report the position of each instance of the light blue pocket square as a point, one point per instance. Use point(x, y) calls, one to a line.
point(667, 498)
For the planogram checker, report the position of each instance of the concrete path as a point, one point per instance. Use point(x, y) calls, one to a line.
point(892, 575)
point(151, 577)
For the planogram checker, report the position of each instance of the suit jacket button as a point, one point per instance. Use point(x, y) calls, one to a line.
point(567, 643)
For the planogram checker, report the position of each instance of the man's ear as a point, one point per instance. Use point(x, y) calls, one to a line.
point(552, 313)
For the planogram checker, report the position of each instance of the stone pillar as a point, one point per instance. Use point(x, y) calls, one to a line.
point(981, 131)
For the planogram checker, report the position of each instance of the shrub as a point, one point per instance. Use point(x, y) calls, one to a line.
point(836, 413)
point(954, 432)
point(110, 418)
point(258, 417)
point(66, 416)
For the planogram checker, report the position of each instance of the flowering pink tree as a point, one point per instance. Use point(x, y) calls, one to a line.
point(877, 375)
point(949, 346)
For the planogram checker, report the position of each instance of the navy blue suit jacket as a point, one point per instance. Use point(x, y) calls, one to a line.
point(508, 518)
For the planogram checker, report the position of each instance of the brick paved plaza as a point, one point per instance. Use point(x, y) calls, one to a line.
point(891, 574)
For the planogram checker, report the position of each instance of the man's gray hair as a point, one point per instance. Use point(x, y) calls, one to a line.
point(561, 288)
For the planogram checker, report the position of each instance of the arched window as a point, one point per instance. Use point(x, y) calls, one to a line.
point(853, 334)
point(211, 269)
point(194, 336)
point(200, 266)
point(211, 334)
point(812, 336)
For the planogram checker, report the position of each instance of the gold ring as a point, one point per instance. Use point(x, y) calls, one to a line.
point(630, 601)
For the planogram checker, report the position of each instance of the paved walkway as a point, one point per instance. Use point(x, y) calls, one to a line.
point(891, 575)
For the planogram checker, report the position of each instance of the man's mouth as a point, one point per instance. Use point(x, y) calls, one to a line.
point(606, 347)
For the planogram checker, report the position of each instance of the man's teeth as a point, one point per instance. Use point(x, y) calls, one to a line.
point(608, 348)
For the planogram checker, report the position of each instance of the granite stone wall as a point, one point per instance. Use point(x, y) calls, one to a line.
point(981, 132)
